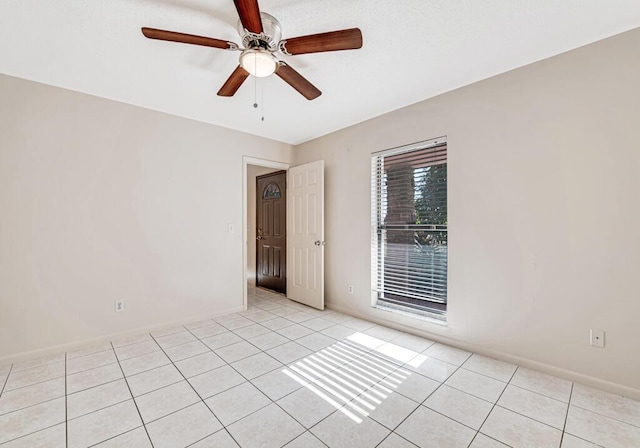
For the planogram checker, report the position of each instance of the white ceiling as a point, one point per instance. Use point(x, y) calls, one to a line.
point(413, 50)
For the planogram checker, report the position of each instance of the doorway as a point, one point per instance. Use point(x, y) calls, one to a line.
point(305, 197)
point(271, 231)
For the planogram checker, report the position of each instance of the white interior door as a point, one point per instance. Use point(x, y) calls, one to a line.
point(305, 234)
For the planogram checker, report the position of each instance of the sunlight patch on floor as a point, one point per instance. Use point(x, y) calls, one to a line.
point(355, 375)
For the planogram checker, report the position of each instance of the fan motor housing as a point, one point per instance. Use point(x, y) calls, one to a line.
point(268, 39)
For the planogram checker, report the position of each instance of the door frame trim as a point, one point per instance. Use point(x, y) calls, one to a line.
point(246, 160)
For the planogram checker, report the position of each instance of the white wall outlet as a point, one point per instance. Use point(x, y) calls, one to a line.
point(350, 289)
point(596, 338)
point(119, 305)
point(231, 228)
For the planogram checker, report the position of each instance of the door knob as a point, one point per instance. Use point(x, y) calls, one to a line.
point(319, 243)
point(258, 237)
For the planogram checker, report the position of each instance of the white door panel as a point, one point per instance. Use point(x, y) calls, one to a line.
point(306, 234)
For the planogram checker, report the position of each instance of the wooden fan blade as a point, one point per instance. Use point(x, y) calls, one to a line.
point(249, 13)
point(350, 39)
point(172, 36)
point(234, 82)
point(298, 82)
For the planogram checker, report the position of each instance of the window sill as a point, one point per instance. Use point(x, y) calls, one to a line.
point(425, 316)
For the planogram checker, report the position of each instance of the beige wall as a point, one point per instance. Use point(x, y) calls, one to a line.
point(102, 201)
point(252, 172)
point(544, 210)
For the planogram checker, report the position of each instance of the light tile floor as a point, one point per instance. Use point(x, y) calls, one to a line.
point(281, 374)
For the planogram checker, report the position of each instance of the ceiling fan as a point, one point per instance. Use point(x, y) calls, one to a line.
point(261, 37)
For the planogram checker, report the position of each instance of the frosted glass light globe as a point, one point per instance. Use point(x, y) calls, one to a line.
point(259, 63)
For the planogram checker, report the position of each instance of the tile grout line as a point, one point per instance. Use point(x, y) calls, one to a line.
point(223, 346)
point(338, 410)
point(125, 400)
point(87, 354)
point(272, 401)
point(15, 370)
point(317, 381)
point(393, 431)
point(385, 375)
point(132, 397)
point(305, 432)
point(253, 385)
point(606, 416)
point(33, 384)
point(370, 353)
point(289, 340)
point(210, 350)
point(485, 375)
point(32, 405)
point(26, 407)
point(475, 396)
point(499, 441)
point(534, 419)
point(566, 416)
point(378, 382)
point(275, 402)
point(260, 323)
point(195, 391)
point(397, 435)
point(66, 395)
point(212, 434)
point(30, 433)
point(144, 371)
point(103, 408)
point(494, 406)
point(90, 368)
point(527, 417)
point(66, 410)
point(538, 393)
point(131, 343)
point(6, 380)
point(244, 339)
point(117, 435)
point(65, 360)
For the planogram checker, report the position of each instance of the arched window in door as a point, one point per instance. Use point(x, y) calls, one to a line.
point(271, 191)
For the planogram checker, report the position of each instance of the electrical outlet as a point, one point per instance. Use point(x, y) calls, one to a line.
point(350, 289)
point(596, 338)
point(119, 305)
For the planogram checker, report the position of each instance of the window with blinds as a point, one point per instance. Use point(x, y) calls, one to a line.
point(409, 227)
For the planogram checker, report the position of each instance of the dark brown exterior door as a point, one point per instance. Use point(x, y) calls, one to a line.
point(271, 240)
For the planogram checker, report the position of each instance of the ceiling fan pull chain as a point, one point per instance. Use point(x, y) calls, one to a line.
point(255, 84)
point(262, 102)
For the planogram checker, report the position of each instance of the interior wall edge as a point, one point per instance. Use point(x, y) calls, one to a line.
point(549, 369)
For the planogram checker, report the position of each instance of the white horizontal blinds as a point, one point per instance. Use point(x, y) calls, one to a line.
point(410, 223)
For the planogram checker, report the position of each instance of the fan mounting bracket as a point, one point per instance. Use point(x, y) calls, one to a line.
point(283, 48)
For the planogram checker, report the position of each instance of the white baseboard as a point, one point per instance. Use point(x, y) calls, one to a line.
point(501, 356)
point(76, 345)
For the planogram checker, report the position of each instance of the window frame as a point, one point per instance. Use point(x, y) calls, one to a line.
point(434, 315)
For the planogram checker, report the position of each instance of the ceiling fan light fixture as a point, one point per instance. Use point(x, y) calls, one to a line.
point(259, 63)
